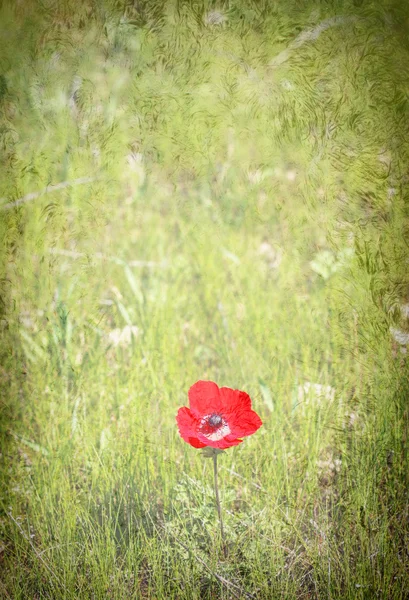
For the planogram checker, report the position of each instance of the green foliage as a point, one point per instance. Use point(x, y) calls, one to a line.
point(203, 190)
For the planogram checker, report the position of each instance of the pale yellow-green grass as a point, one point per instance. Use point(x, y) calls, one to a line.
point(232, 206)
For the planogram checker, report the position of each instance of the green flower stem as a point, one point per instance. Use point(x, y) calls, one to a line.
point(219, 510)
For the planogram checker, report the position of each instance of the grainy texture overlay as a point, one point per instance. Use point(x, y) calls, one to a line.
point(203, 191)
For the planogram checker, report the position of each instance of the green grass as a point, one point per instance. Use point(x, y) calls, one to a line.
point(248, 217)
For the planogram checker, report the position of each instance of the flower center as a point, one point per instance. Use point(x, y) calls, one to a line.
point(214, 427)
point(215, 420)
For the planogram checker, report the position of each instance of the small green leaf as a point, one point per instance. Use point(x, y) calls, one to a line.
point(38, 351)
point(74, 420)
point(32, 445)
point(124, 312)
point(266, 395)
point(134, 285)
point(235, 259)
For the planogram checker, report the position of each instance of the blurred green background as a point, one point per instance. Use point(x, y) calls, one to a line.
point(204, 190)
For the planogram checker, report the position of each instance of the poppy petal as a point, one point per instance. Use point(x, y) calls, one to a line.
point(188, 424)
point(234, 398)
point(243, 423)
point(226, 442)
point(196, 443)
point(204, 398)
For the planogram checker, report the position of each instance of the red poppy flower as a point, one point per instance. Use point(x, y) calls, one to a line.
point(217, 417)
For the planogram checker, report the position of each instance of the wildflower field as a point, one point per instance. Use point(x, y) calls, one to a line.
point(209, 191)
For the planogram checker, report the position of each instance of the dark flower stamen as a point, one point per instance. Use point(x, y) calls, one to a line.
point(214, 426)
point(215, 420)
